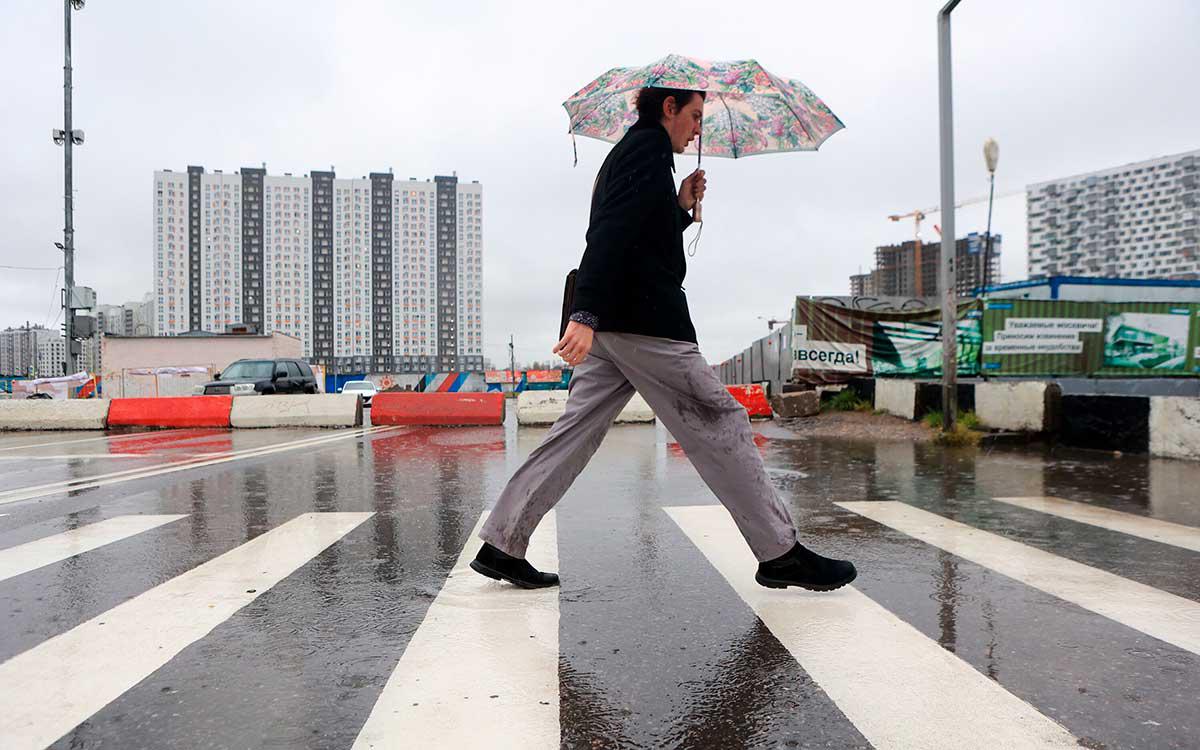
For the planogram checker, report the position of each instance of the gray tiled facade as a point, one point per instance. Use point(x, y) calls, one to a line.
point(382, 359)
point(195, 282)
point(447, 281)
point(252, 246)
point(1135, 221)
point(322, 267)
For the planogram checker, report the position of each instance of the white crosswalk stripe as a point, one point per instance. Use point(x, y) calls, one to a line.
point(483, 664)
point(41, 552)
point(899, 688)
point(1175, 534)
point(1156, 613)
point(54, 686)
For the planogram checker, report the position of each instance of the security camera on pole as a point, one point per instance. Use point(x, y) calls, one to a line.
point(68, 137)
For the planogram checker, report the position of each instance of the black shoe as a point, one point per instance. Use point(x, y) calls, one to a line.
point(493, 563)
point(802, 567)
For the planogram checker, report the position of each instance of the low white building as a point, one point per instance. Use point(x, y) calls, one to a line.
point(122, 355)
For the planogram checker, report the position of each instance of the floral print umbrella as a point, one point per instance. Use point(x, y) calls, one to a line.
point(747, 110)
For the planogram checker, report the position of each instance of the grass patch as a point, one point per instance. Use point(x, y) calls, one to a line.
point(966, 429)
point(959, 437)
point(846, 400)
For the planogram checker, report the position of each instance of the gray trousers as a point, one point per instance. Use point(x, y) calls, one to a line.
point(711, 426)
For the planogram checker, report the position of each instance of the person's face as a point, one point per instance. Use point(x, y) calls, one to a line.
point(682, 123)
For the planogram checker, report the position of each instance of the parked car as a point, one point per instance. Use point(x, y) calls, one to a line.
point(364, 388)
point(250, 377)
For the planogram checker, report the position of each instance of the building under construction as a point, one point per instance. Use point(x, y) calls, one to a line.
point(911, 269)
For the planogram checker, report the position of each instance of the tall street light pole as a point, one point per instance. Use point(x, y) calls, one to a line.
point(991, 155)
point(946, 276)
point(68, 137)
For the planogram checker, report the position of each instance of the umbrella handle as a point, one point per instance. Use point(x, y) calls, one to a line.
point(696, 214)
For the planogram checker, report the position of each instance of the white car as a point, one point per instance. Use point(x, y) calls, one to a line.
point(364, 388)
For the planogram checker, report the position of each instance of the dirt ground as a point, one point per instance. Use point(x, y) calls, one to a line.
point(855, 425)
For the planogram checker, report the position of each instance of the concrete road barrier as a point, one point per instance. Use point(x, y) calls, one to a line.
point(53, 414)
point(895, 396)
point(544, 407)
point(1175, 427)
point(797, 404)
point(413, 408)
point(182, 411)
point(1028, 406)
point(298, 410)
point(754, 398)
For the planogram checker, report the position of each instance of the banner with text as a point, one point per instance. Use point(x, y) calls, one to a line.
point(831, 343)
point(1116, 339)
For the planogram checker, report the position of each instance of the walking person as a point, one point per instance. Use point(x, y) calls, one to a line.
point(630, 330)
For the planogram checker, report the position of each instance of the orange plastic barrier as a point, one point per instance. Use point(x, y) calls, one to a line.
point(754, 398)
point(437, 408)
point(182, 411)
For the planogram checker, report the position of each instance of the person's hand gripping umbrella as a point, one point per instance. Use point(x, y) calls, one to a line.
point(747, 110)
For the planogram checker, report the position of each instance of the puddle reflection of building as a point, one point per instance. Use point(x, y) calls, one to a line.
point(894, 475)
point(198, 518)
point(255, 494)
point(1175, 491)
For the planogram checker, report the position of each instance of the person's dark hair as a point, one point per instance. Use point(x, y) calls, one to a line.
point(650, 101)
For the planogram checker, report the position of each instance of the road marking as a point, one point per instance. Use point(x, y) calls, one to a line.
point(68, 456)
point(1156, 613)
point(897, 686)
point(58, 684)
point(111, 438)
point(1175, 534)
point(100, 480)
point(41, 552)
point(482, 669)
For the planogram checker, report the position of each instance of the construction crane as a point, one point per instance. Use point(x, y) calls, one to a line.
point(922, 213)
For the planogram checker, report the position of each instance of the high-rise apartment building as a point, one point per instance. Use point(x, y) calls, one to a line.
point(22, 352)
point(52, 355)
point(1135, 221)
point(371, 274)
point(910, 269)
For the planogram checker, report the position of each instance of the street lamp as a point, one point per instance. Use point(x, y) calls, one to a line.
point(991, 155)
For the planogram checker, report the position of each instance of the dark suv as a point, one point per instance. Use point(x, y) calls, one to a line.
point(249, 377)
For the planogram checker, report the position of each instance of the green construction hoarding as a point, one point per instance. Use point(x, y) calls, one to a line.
point(1110, 339)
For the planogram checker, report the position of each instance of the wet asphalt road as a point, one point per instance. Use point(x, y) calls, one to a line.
point(655, 647)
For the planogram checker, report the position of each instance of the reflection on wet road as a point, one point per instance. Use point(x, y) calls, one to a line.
point(301, 588)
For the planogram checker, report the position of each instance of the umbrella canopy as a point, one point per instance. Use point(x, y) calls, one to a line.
point(747, 110)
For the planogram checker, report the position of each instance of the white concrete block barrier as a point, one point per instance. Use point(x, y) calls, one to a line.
point(544, 407)
point(896, 396)
point(1175, 427)
point(54, 414)
point(299, 410)
point(1027, 406)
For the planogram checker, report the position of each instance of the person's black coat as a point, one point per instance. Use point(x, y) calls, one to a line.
point(631, 275)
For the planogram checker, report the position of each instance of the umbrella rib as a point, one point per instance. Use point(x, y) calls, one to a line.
point(649, 83)
point(789, 106)
point(732, 132)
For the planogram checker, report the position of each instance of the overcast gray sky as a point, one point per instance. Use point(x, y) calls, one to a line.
point(1065, 86)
